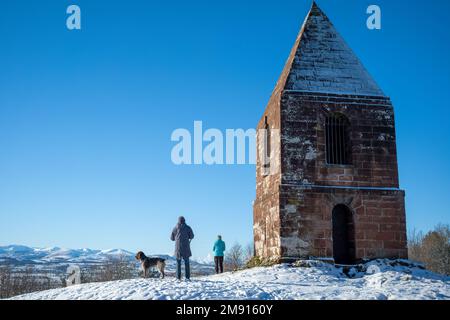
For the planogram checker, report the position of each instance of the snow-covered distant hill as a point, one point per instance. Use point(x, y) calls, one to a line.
point(380, 279)
point(55, 260)
point(26, 255)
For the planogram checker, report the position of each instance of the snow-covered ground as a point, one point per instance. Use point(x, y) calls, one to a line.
point(380, 279)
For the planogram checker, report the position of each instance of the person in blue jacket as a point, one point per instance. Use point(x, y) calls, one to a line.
point(219, 248)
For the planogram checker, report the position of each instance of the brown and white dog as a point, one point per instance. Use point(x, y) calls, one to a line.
point(147, 263)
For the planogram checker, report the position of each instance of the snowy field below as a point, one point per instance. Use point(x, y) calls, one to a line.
point(379, 280)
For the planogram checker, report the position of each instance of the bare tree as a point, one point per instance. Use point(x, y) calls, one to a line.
point(415, 239)
point(114, 268)
point(433, 249)
point(249, 252)
point(5, 282)
point(20, 281)
point(234, 257)
point(13, 283)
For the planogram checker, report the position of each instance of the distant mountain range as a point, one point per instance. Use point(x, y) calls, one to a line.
point(27, 255)
point(55, 260)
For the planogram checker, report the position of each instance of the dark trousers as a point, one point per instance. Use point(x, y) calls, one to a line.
point(187, 269)
point(218, 261)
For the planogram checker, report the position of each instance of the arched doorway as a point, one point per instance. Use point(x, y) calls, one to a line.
point(343, 235)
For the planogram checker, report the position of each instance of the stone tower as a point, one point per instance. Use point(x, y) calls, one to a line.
point(327, 178)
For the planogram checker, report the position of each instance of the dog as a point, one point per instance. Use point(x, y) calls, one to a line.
point(147, 263)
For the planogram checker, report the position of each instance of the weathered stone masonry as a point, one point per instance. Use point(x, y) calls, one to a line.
point(293, 210)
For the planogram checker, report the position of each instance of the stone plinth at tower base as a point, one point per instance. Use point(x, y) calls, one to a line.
point(301, 226)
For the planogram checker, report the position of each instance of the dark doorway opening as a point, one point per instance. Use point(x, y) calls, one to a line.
point(343, 235)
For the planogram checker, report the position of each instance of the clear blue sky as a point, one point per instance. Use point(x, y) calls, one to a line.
point(86, 116)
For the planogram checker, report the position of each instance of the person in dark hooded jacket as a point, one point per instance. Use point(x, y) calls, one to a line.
point(182, 235)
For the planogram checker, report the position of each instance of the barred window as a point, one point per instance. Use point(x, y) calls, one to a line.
point(267, 146)
point(337, 136)
point(268, 137)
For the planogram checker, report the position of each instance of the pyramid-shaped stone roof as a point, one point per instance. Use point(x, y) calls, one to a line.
point(321, 61)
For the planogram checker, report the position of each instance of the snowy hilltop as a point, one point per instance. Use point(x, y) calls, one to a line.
point(379, 279)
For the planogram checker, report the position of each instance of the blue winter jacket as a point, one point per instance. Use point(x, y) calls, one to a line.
point(219, 248)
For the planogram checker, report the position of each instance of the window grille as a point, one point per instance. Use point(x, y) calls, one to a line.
point(337, 139)
point(267, 144)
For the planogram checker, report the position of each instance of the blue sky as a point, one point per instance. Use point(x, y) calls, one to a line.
point(86, 116)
